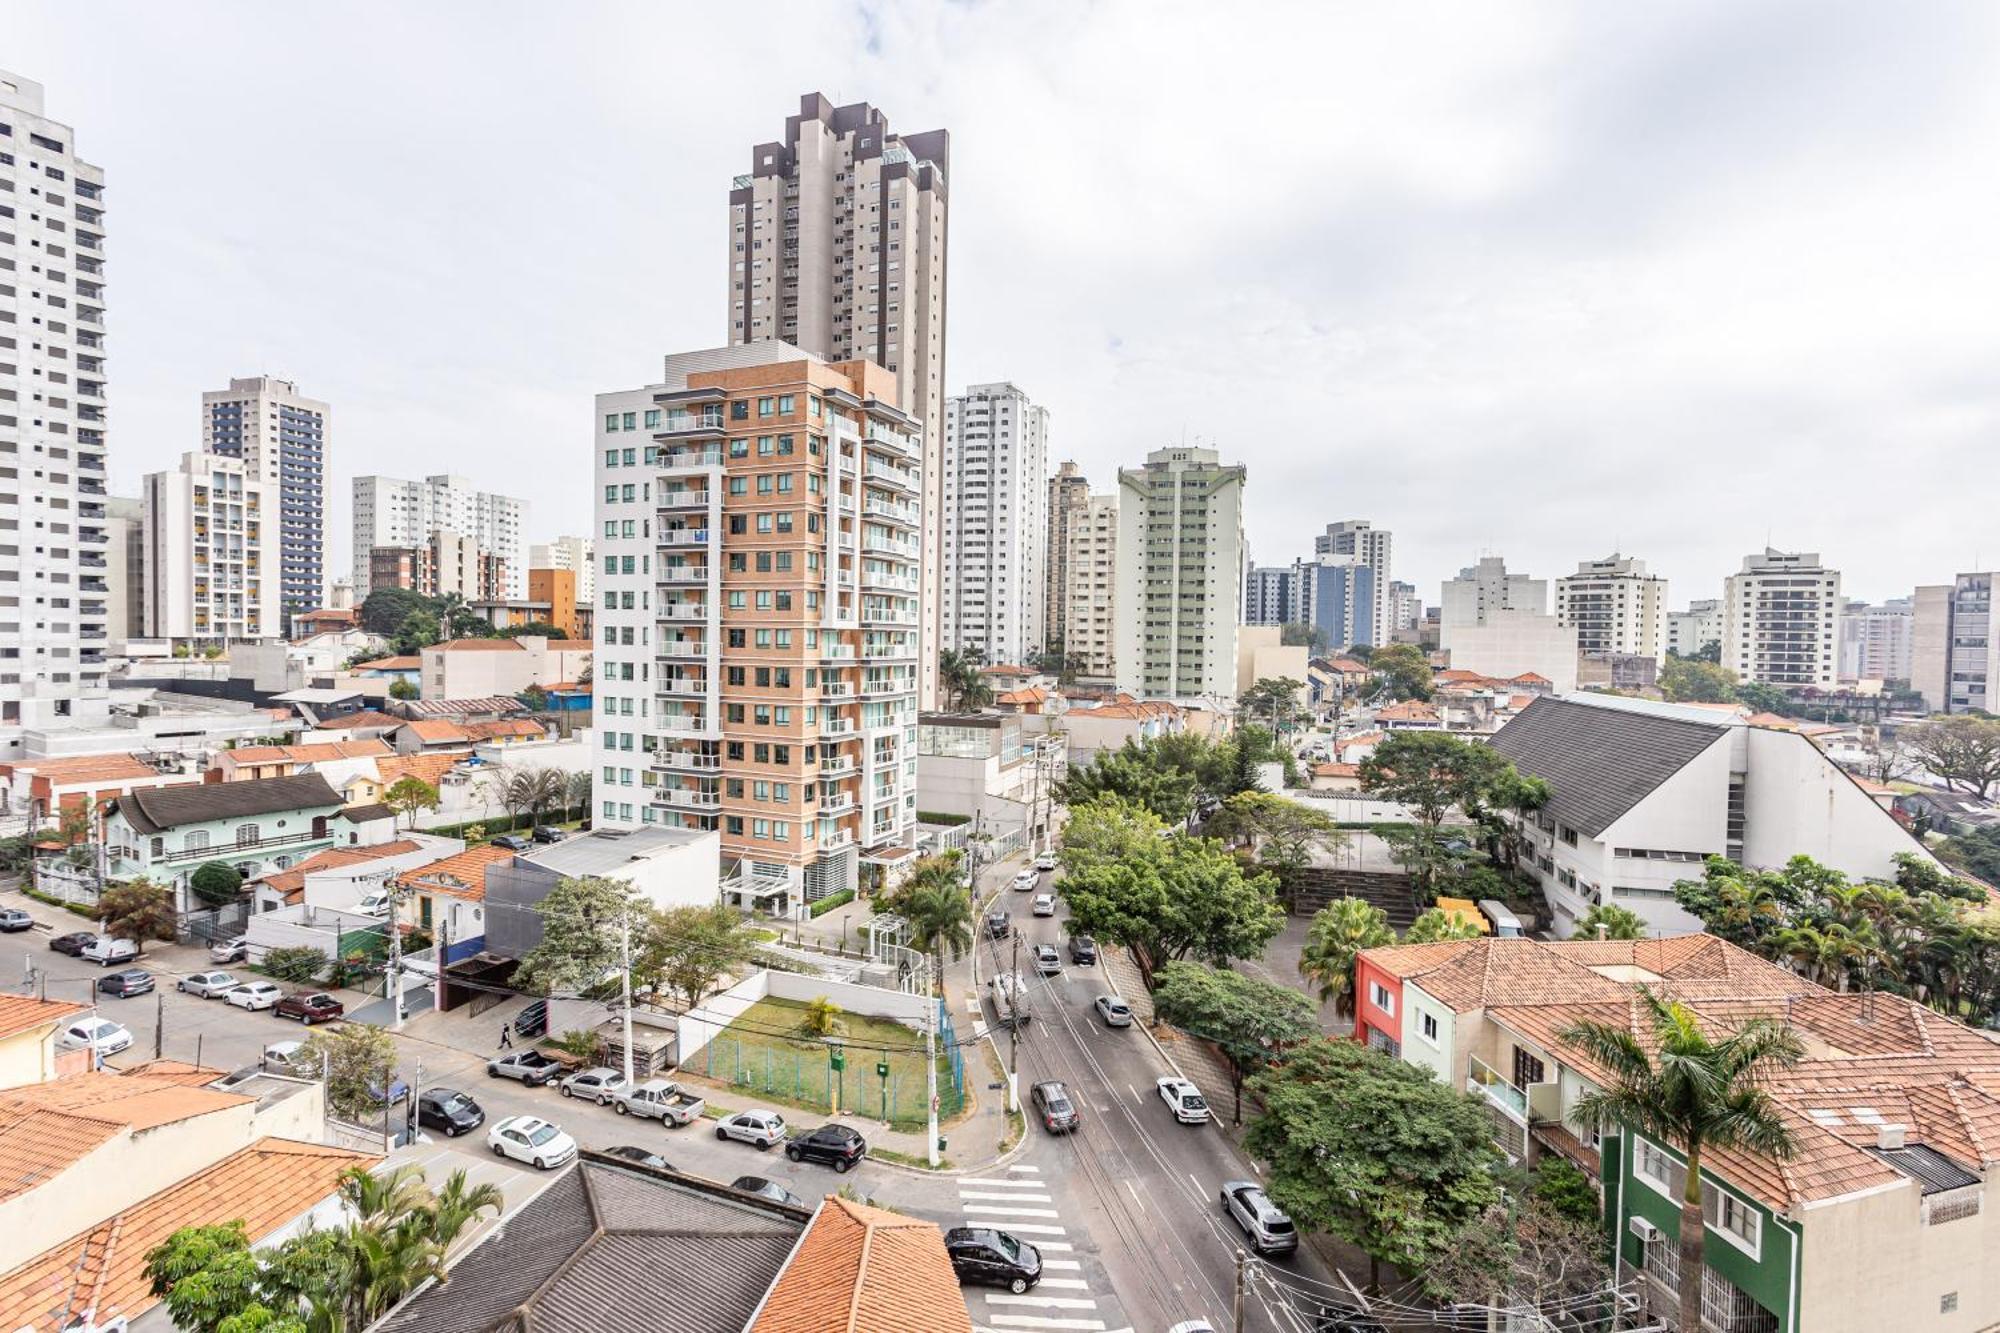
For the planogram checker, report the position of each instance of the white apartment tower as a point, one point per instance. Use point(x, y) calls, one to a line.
point(1179, 573)
point(1875, 641)
point(1406, 608)
point(1690, 631)
point(212, 549)
point(1069, 495)
point(996, 480)
point(1780, 617)
point(54, 616)
point(1090, 589)
point(1483, 589)
point(1614, 606)
point(576, 554)
point(281, 434)
point(406, 514)
point(1954, 654)
point(1367, 545)
point(838, 247)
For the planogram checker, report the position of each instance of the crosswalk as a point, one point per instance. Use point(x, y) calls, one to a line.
point(1019, 1202)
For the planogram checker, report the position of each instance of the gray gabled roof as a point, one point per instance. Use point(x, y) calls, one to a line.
point(162, 808)
point(1599, 762)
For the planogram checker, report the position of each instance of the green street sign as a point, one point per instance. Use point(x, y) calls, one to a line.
point(839, 1059)
point(882, 1069)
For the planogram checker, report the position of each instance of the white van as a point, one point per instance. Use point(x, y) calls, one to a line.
point(104, 951)
point(1506, 925)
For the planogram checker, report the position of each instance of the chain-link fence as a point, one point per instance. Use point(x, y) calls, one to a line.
point(885, 1084)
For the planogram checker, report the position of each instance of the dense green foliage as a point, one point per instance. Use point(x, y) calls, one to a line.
point(1252, 1021)
point(1401, 672)
point(138, 910)
point(1618, 923)
point(1339, 931)
point(1432, 773)
point(299, 964)
point(216, 882)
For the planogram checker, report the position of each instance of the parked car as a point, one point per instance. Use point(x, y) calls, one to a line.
point(284, 1057)
point(1114, 1011)
point(1045, 862)
point(92, 1033)
point(208, 985)
point(74, 943)
point(526, 1138)
point(1270, 1231)
point(1183, 1098)
point(126, 984)
point(1047, 961)
point(993, 1258)
point(766, 1129)
point(1045, 904)
point(450, 1110)
point(13, 920)
point(769, 1189)
point(836, 1146)
point(317, 1007)
point(598, 1084)
point(638, 1156)
point(254, 995)
point(1026, 880)
point(660, 1099)
point(513, 842)
point(547, 836)
point(235, 950)
point(999, 925)
point(1083, 949)
point(375, 902)
point(529, 1067)
point(105, 951)
point(1055, 1106)
point(533, 1020)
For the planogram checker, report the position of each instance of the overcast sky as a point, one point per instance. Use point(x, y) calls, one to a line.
point(1532, 280)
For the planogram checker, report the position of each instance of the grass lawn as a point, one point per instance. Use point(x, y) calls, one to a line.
point(752, 1054)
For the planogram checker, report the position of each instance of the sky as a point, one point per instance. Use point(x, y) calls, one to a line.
point(1542, 281)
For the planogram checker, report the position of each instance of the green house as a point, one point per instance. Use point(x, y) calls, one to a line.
point(257, 826)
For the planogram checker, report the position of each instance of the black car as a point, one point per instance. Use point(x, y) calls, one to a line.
point(1082, 949)
point(1054, 1105)
point(450, 1110)
point(998, 926)
point(836, 1145)
point(13, 919)
point(640, 1156)
point(126, 984)
point(544, 834)
point(513, 842)
point(533, 1020)
point(74, 943)
point(769, 1189)
point(994, 1258)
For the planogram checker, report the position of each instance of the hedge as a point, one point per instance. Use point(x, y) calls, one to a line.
point(831, 901)
point(940, 818)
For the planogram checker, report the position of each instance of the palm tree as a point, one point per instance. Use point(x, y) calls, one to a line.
point(1339, 931)
point(938, 909)
point(390, 1196)
point(576, 791)
point(459, 1204)
point(1694, 1092)
point(1434, 925)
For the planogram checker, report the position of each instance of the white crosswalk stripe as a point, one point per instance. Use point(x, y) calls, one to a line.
point(1041, 1321)
point(1007, 1210)
point(1021, 1204)
point(1009, 1196)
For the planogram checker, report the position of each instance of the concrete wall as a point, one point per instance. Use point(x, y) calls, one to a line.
point(1869, 1263)
point(700, 1026)
point(1689, 812)
point(29, 1056)
point(1511, 643)
point(1440, 1056)
point(1797, 801)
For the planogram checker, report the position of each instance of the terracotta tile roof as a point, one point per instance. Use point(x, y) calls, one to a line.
point(86, 768)
point(476, 646)
point(1775, 720)
point(1010, 671)
point(1531, 678)
point(506, 726)
point(367, 717)
point(1409, 710)
point(863, 1270)
point(266, 1185)
point(319, 752)
point(292, 882)
point(1456, 676)
point(429, 768)
point(410, 663)
point(1348, 666)
point(568, 687)
point(45, 1128)
point(462, 875)
point(1336, 770)
point(344, 616)
point(18, 1013)
point(437, 731)
point(1034, 694)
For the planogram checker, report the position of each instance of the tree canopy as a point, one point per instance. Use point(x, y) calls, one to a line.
point(1283, 832)
point(1340, 931)
point(1434, 925)
point(360, 1064)
point(1140, 772)
point(408, 795)
point(138, 910)
point(1691, 680)
point(1401, 672)
point(1618, 923)
point(216, 882)
point(687, 950)
point(1963, 750)
point(1251, 1020)
point(1278, 700)
point(1431, 773)
point(581, 935)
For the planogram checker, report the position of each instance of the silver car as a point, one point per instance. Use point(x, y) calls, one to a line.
point(598, 1084)
point(1269, 1230)
point(1114, 1011)
point(208, 985)
point(764, 1129)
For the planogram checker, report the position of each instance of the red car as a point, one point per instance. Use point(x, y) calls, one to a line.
point(318, 1007)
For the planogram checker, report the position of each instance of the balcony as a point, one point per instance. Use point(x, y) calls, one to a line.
point(837, 727)
point(837, 768)
point(884, 582)
point(695, 611)
point(837, 691)
point(682, 649)
point(685, 799)
point(683, 574)
point(900, 478)
point(688, 458)
point(683, 497)
point(879, 545)
point(688, 761)
point(685, 686)
point(226, 851)
point(901, 515)
point(835, 652)
point(883, 688)
point(687, 724)
point(692, 426)
point(1484, 1080)
point(683, 536)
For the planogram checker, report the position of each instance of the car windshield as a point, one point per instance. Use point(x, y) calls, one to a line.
point(541, 1135)
point(776, 1122)
point(456, 1101)
point(1009, 1247)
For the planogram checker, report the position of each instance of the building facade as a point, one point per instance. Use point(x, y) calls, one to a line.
point(996, 484)
point(1090, 593)
point(406, 515)
point(1406, 608)
point(1336, 595)
point(576, 554)
point(1485, 588)
point(558, 588)
point(211, 553)
point(1954, 656)
point(1615, 607)
point(1875, 640)
point(1780, 617)
point(282, 436)
point(838, 247)
point(757, 628)
point(1366, 544)
point(1069, 495)
point(1179, 575)
point(124, 570)
point(1270, 595)
point(54, 597)
point(1692, 630)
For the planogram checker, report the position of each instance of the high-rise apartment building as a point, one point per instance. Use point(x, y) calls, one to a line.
point(837, 246)
point(447, 562)
point(1179, 575)
point(1270, 595)
point(1483, 589)
point(1406, 608)
point(1690, 631)
point(124, 571)
point(54, 612)
point(576, 554)
point(282, 435)
point(212, 553)
point(1090, 590)
point(757, 635)
point(996, 486)
point(1362, 541)
point(1069, 494)
point(1954, 654)
point(406, 515)
point(1614, 606)
point(1779, 620)
point(1336, 596)
point(1875, 641)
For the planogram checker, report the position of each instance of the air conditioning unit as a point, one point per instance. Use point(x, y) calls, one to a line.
point(1643, 1229)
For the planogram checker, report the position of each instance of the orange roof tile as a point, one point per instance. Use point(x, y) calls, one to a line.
point(1775, 720)
point(1531, 678)
point(437, 730)
point(293, 880)
point(18, 1013)
point(429, 768)
point(45, 1128)
point(1006, 670)
point(1409, 710)
point(1034, 694)
point(318, 752)
point(1336, 770)
point(477, 646)
point(86, 768)
point(266, 1185)
point(463, 874)
point(367, 717)
point(863, 1270)
point(506, 726)
point(407, 663)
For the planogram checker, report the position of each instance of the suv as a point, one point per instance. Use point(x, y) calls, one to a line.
point(835, 1145)
point(1047, 961)
point(1269, 1230)
point(1058, 1112)
point(1083, 949)
point(998, 925)
point(993, 1257)
point(318, 1007)
point(529, 1067)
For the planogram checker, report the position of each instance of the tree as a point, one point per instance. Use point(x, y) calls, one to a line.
point(1612, 922)
point(1107, 831)
point(1762, 697)
point(535, 699)
point(1431, 773)
point(534, 629)
point(138, 910)
point(1435, 925)
point(1339, 932)
point(1373, 1150)
point(1401, 672)
point(576, 791)
point(960, 679)
point(820, 1019)
point(1529, 1256)
point(938, 909)
point(403, 690)
point(1177, 898)
point(360, 1064)
point(1697, 1092)
point(299, 964)
point(1134, 772)
point(1299, 635)
point(1690, 680)
point(1963, 750)
point(1566, 1189)
point(1284, 833)
point(409, 794)
point(216, 882)
point(416, 631)
point(686, 950)
point(384, 610)
point(1976, 851)
point(204, 1275)
point(1273, 698)
point(1251, 1020)
point(581, 935)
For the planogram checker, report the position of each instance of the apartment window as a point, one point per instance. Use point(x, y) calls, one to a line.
point(611, 458)
point(766, 406)
point(611, 421)
point(631, 457)
point(740, 410)
point(1428, 1025)
point(733, 824)
point(760, 828)
point(652, 418)
point(1379, 996)
point(787, 404)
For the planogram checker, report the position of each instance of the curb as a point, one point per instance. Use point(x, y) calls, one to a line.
point(1147, 1028)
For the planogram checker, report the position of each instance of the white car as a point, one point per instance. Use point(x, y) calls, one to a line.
point(765, 1129)
point(526, 1138)
point(236, 949)
point(104, 951)
point(94, 1034)
point(1026, 880)
point(283, 1056)
point(255, 995)
point(1045, 904)
point(596, 1085)
point(1046, 861)
point(208, 985)
point(1184, 1099)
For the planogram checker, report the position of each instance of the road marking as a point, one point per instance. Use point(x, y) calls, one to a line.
point(1135, 1192)
point(1038, 1229)
point(1031, 1170)
point(1135, 1093)
point(1011, 1184)
point(1066, 1283)
point(1061, 1265)
point(1005, 1211)
point(1030, 1321)
point(1197, 1183)
point(1034, 1302)
point(1014, 1196)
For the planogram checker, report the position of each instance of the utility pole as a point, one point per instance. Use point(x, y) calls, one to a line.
point(1014, 998)
point(395, 959)
point(930, 1070)
point(1242, 1264)
point(625, 983)
point(159, 1021)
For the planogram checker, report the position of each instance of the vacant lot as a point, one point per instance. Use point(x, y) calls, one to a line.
point(763, 1052)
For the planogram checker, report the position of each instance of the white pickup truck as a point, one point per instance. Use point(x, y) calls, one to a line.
point(660, 1099)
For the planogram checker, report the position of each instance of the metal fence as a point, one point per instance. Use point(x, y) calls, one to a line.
point(804, 1075)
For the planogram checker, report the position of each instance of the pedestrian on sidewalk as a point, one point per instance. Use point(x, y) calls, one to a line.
point(506, 1036)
